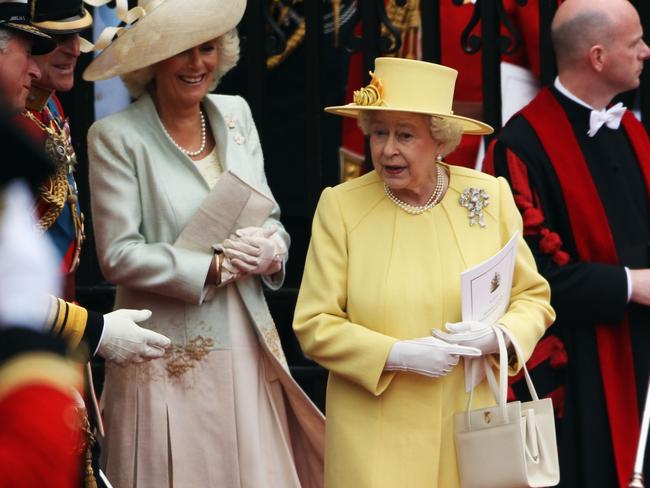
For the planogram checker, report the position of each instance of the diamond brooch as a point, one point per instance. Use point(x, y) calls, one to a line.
point(475, 200)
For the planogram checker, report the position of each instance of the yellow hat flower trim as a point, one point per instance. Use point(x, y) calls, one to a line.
point(371, 94)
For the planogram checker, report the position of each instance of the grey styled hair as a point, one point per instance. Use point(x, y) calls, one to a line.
point(5, 36)
point(444, 131)
point(227, 46)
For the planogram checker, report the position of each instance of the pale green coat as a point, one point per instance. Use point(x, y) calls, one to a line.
point(375, 274)
point(144, 191)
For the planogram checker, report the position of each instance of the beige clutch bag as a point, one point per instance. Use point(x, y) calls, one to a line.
point(231, 204)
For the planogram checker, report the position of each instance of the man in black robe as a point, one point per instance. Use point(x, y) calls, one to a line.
point(580, 173)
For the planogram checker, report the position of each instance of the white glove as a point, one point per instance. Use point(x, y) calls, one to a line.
point(476, 334)
point(125, 342)
point(470, 333)
point(255, 231)
point(252, 250)
point(281, 248)
point(427, 355)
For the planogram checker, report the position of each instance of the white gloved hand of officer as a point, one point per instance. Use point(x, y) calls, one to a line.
point(124, 341)
point(471, 333)
point(255, 250)
point(428, 356)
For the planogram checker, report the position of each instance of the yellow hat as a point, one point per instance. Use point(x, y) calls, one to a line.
point(406, 85)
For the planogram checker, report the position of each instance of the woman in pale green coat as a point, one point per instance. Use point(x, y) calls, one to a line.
point(383, 270)
point(220, 409)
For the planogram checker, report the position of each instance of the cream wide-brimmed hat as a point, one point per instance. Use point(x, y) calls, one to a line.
point(160, 29)
point(406, 85)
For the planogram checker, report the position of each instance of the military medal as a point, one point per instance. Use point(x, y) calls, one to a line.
point(59, 149)
point(60, 188)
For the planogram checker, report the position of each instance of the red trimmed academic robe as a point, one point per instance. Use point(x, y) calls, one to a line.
point(585, 205)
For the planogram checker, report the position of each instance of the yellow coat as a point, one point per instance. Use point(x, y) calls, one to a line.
point(375, 274)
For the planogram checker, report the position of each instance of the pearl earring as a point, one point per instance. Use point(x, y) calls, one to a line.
point(439, 158)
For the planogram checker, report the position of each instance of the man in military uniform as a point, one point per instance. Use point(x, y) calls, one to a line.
point(37, 439)
point(116, 335)
point(18, 40)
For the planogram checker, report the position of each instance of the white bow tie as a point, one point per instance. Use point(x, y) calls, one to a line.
point(611, 118)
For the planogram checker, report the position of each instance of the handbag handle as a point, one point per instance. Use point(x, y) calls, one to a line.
point(520, 357)
point(500, 391)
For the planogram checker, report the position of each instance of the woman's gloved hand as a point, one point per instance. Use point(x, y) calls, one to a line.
point(427, 356)
point(229, 272)
point(470, 333)
point(254, 250)
point(124, 341)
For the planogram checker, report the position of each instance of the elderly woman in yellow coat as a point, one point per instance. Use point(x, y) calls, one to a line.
point(383, 270)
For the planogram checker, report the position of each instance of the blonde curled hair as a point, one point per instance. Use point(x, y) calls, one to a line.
point(227, 47)
point(444, 131)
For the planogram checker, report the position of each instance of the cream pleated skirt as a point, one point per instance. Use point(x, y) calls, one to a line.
point(222, 423)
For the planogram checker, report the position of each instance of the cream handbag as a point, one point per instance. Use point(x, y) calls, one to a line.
point(509, 445)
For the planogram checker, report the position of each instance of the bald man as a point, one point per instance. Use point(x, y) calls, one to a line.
point(580, 173)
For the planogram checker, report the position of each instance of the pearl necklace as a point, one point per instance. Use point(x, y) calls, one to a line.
point(203, 139)
point(433, 200)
